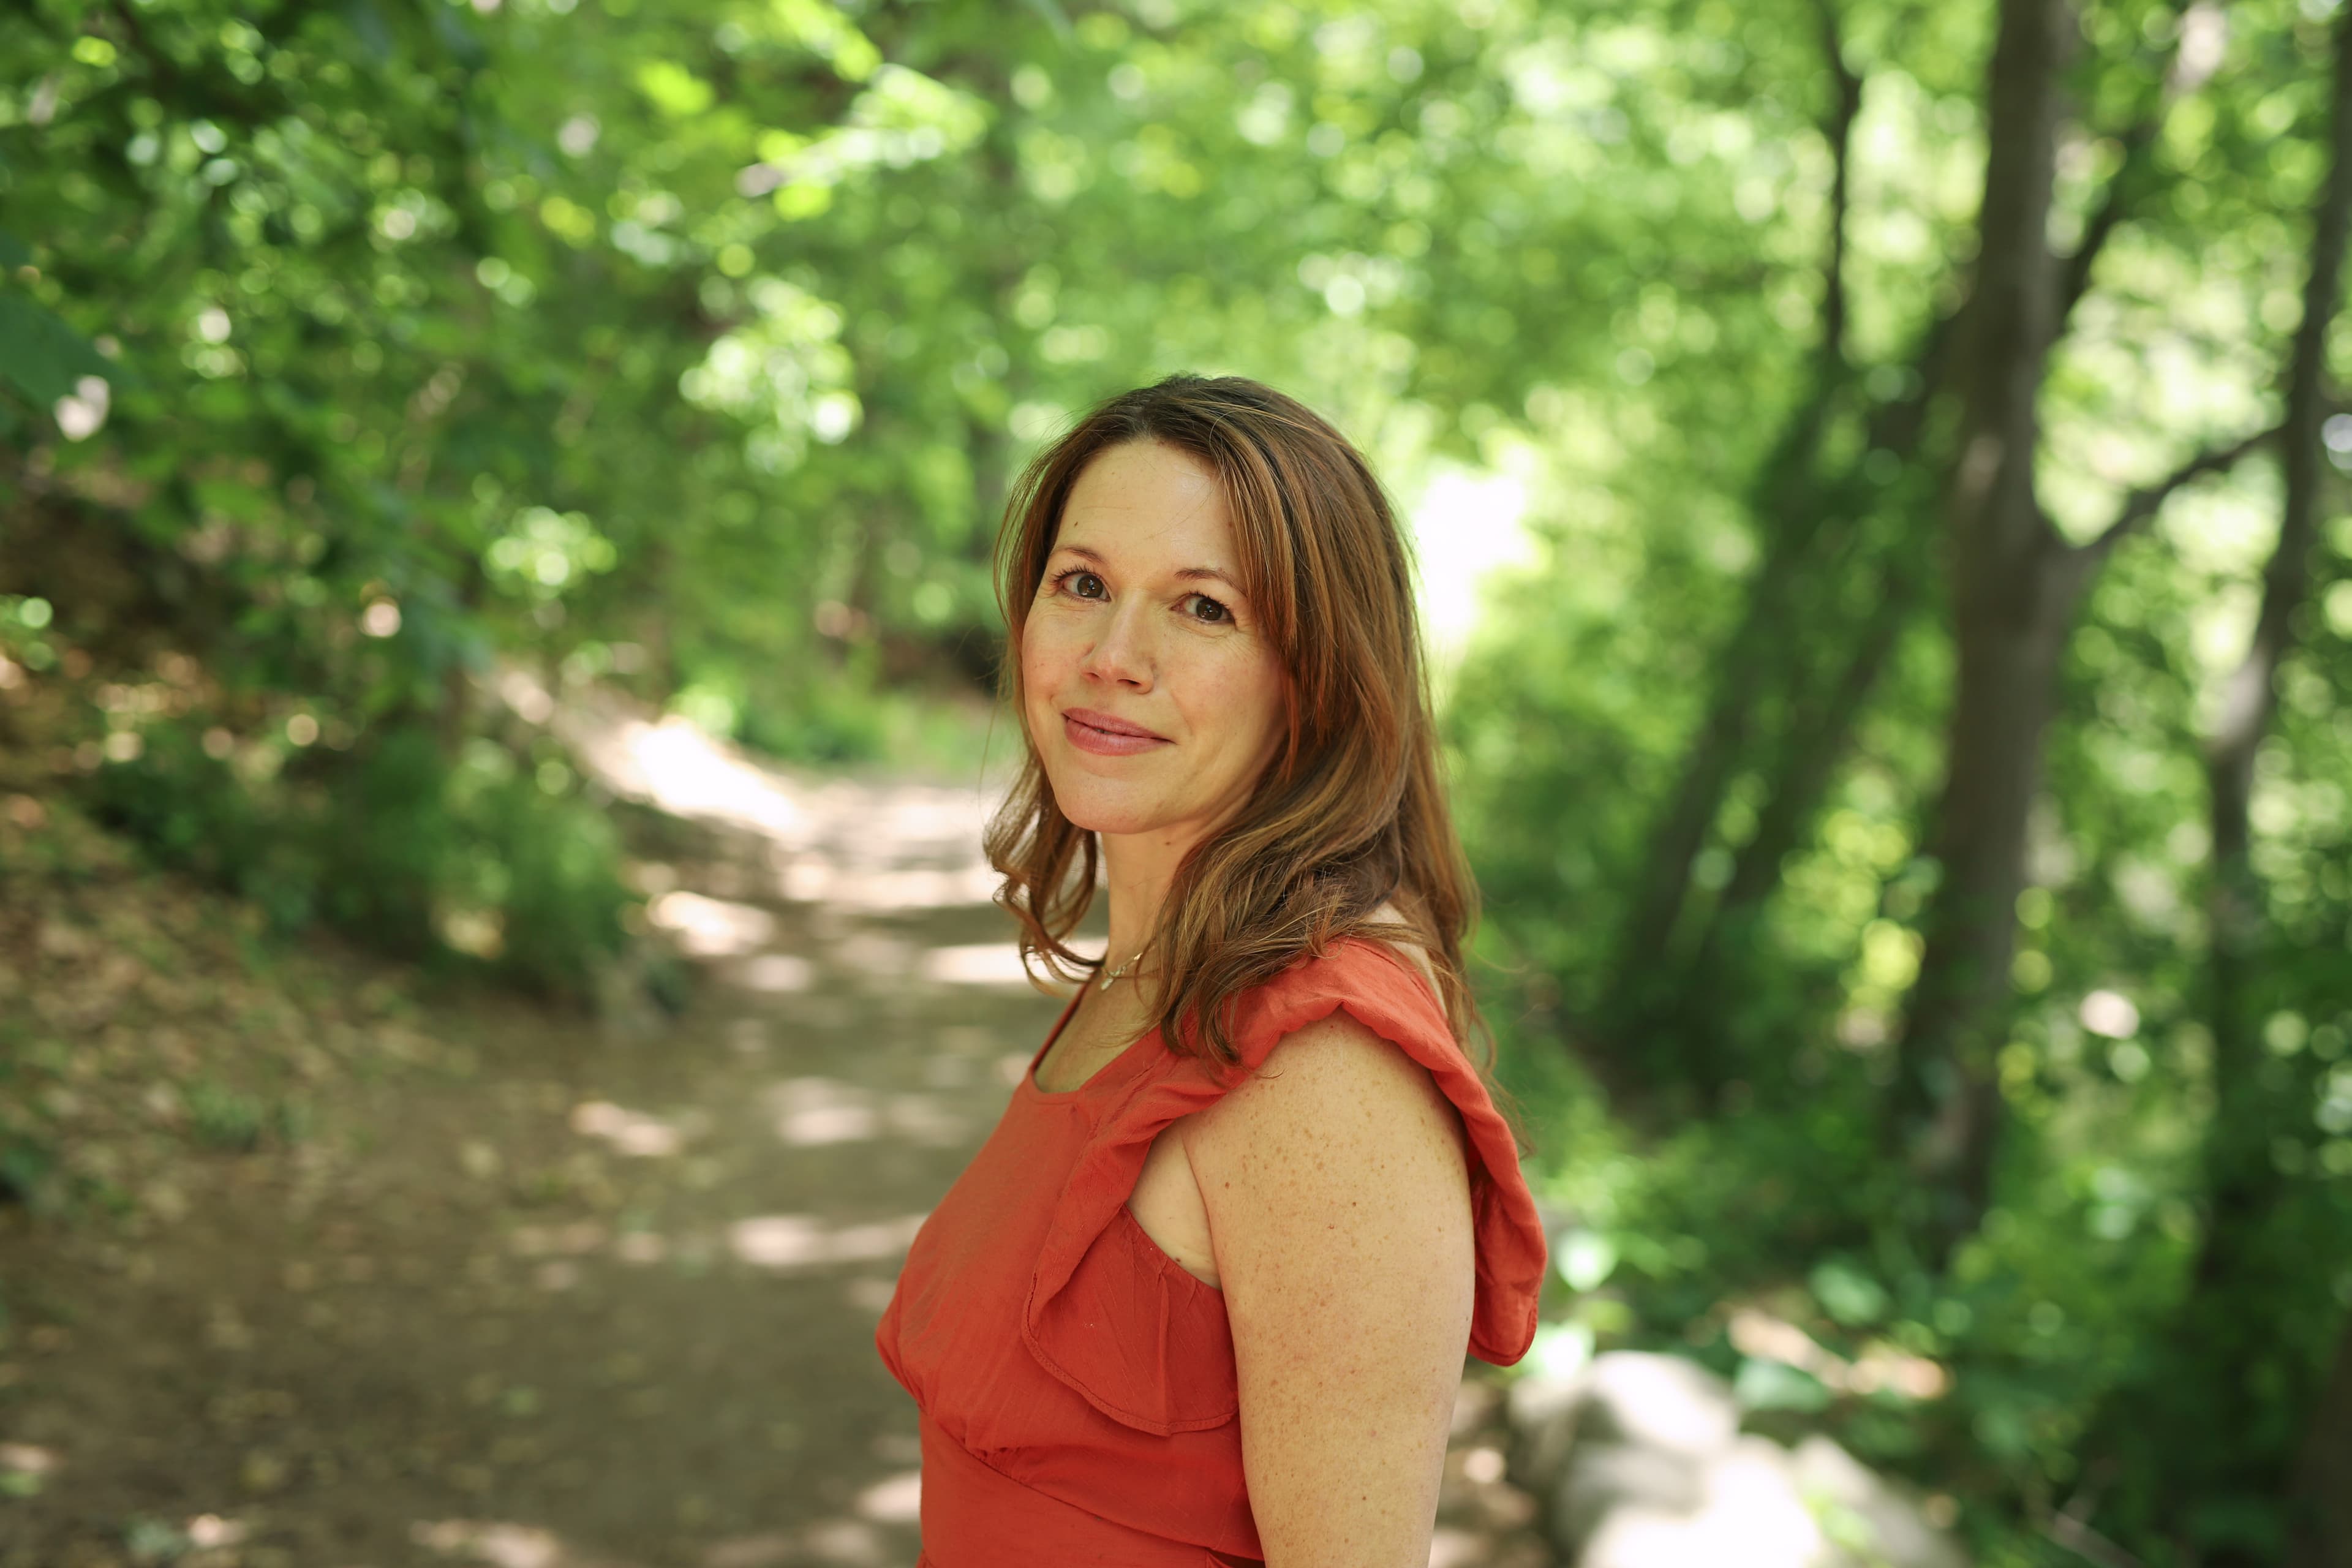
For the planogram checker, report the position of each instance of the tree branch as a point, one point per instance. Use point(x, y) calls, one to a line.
point(1843, 112)
point(2076, 282)
point(2074, 1535)
point(2144, 503)
point(2185, 70)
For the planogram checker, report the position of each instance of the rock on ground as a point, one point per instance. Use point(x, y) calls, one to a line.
point(1641, 1464)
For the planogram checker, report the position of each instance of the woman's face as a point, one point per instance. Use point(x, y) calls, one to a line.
point(1149, 690)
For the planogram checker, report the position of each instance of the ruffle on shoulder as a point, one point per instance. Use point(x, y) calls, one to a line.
point(1115, 1319)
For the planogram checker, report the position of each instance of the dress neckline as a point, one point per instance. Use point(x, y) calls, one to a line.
point(1035, 1090)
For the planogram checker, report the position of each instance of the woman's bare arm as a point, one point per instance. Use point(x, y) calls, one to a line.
point(1338, 1211)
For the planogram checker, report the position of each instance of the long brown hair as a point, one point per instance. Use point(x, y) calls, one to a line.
point(1352, 813)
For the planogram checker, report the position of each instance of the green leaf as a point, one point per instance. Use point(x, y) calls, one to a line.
point(1055, 18)
point(368, 25)
point(458, 39)
point(675, 90)
point(41, 356)
point(1764, 1384)
point(1848, 1294)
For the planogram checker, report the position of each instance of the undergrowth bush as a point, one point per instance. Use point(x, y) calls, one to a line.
point(481, 860)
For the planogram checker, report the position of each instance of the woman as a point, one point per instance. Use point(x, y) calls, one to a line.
point(1204, 1295)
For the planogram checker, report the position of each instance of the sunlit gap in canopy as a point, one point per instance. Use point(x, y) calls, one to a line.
point(1466, 525)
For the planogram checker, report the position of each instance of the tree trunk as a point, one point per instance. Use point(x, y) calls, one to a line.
point(1792, 516)
point(2199, 1426)
point(2239, 1173)
point(1817, 735)
point(2015, 586)
point(1821, 706)
point(2008, 671)
point(1641, 969)
point(2320, 1535)
point(2251, 1267)
point(1760, 664)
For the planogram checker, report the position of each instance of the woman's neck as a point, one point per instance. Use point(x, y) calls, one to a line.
point(1138, 869)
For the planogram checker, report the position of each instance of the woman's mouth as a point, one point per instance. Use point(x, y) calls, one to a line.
point(1106, 736)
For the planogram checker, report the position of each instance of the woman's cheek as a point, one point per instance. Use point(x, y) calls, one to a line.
point(1037, 684)
point(1245, 680)
point(1255, 700)
point(1040, 660)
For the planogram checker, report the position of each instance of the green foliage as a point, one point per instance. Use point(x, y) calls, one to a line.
point(352, 353)
point(224, 1118)
point(27, 1157)
point(42, 357)
point(543, 871)
point(484, 857)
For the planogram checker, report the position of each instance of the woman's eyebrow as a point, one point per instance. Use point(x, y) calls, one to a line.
point(1186, 574)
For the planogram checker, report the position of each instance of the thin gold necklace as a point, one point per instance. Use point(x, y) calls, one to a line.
point(1123, 970)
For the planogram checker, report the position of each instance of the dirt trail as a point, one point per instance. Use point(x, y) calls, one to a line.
point(549, 1294)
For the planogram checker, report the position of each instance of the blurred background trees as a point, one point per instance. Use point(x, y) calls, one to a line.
point(1904, 743)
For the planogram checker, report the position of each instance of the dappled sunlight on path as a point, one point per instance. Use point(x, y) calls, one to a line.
point(545, 1293)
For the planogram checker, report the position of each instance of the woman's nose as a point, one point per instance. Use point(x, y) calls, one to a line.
point(1124, 653)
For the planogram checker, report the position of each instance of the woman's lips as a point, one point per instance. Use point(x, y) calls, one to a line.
point(1106, 736)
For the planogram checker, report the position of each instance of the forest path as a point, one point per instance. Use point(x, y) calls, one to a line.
point(558, 1295)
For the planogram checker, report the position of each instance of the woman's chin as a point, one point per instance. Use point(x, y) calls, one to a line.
point(1115, 822)
point(1113, 812)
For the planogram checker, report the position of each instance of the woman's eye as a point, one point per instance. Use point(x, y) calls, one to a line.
point(1085, 584)
point(1204, 608)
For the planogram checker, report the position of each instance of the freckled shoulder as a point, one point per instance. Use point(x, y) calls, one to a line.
point(1330, 1088)
point(1166, 1200)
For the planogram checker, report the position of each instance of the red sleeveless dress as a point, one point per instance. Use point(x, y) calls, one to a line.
point(1076, 1385)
